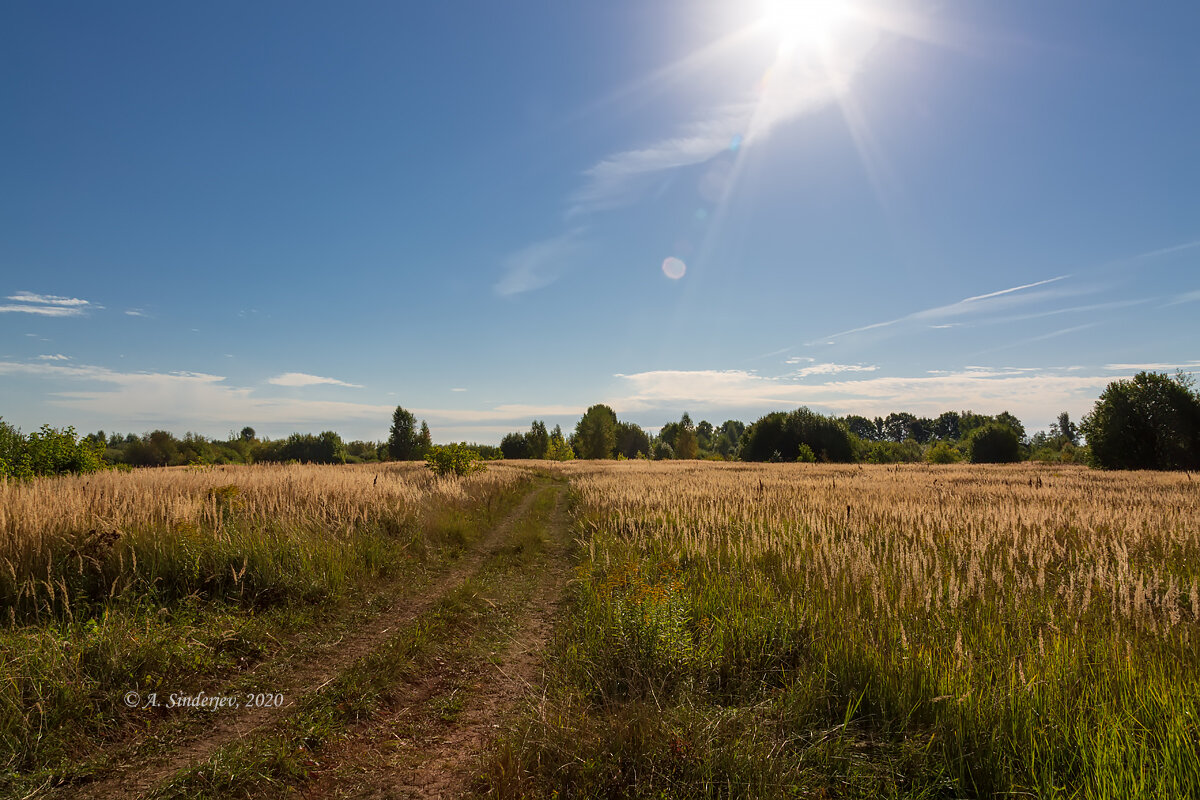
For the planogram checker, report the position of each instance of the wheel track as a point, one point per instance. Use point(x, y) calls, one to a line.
point(231, 726)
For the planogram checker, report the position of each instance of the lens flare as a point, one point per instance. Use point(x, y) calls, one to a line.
point(673, 268)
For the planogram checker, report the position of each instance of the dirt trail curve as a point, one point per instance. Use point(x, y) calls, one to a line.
point(440, 763)
point(308, 678)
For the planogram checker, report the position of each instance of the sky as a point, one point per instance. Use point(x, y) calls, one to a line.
point(296, 216)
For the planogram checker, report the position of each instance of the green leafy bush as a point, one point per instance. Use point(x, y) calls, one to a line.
point(452, 459)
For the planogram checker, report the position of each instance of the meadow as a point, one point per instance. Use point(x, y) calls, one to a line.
point(189, 577)
point(676, 628)
point(916, 631)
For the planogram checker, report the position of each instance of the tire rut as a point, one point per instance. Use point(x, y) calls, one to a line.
point(442, 765)
point(307, 679)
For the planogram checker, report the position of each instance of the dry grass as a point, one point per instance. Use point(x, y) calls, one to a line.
point(907, 631)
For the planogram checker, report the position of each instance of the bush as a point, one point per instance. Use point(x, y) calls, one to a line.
point(47, 451)
point(452, 459)
point(806, 456)
point(994, 443)
point(906, 452)
point(943, 453)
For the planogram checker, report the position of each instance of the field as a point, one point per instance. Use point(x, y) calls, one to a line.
point(601, 629)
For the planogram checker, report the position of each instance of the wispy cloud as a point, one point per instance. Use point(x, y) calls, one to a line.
point(1154, 366)
point(304, 379)
point(1186, 297)
point(458, 389)
point(135, 312)
point(48, 299)
point(968, 305)
point(540, 263)
point(45, 311)
point(55, 357)
point(46, 305)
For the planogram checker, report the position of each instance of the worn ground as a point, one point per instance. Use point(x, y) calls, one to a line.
point(443, 670)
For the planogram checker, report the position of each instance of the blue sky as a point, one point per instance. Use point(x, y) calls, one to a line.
point(295, 216)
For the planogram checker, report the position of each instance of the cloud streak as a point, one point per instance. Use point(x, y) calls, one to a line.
point(295, 379)
point(968, 305)
point(539, 264)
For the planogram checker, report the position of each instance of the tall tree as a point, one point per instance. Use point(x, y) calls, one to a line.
point(686, 445)
point(403, 442)
point(632, 441)
point(596, 432)
point(537, 439)
point(1149, 422)
point(1064, 430)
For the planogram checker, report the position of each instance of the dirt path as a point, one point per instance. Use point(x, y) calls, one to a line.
point(415, 752)
point(306, 679)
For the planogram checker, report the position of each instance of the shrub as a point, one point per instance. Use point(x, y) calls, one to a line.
point(452, 459)
point(994, 443)
point(943, 453)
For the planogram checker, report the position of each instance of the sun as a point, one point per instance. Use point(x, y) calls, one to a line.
point(805, 25)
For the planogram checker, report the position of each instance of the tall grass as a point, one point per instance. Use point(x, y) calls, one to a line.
point(906, 631)
point(167, 579)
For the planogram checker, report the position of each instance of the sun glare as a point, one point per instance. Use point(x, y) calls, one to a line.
point(805, 24)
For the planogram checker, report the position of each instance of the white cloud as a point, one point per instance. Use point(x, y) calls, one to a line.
point(304, 379)
point(135, 312)
point(45, 311)
point(55, 357)
point(831, 369)
point(1025, 392)
point(48, 299)
point(539, 264)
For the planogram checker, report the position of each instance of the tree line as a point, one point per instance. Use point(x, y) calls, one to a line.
point(1151, 421)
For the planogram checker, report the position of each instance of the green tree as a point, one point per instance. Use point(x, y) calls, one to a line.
point(559, 449)
point(1149, 422)
point(404, 443)
point(1064, 430)
point(537, 439)
point(247, 434)
point(686, 445)
point(514, 446)
point(596, 433)
point(632, 441)
point(778, 436)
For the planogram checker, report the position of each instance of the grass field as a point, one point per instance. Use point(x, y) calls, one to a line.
point(803, 630)
point(604, 629)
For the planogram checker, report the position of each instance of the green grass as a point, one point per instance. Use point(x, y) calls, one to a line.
point(196, 611)
point(681, 676)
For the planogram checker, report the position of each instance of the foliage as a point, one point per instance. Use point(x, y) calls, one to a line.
point(452, 460)
point(662, 451)
point(806, 455)
point(596, 433)
point(632, 441)
point(404, 444)
point(906, 452)
point(47, 451)
point(305, 448)
point(778, 436)
point(994, 443)
point(1149, 422)
point(943, 453)
point(514, 445)
point(685, 444)
point(558, 448)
